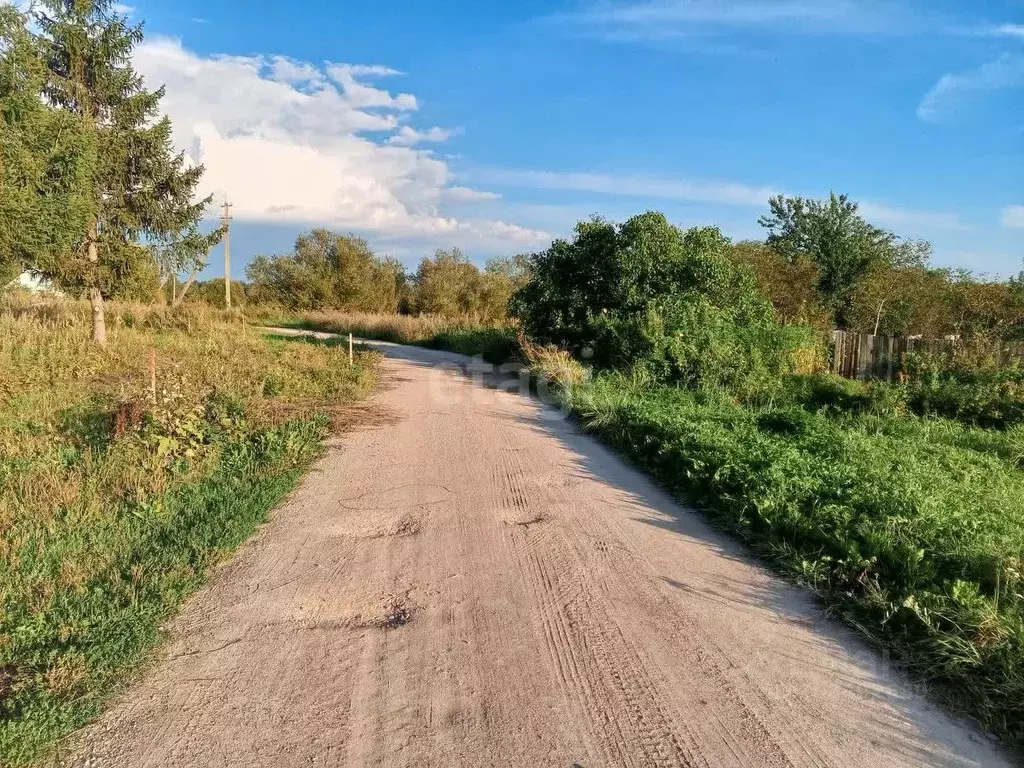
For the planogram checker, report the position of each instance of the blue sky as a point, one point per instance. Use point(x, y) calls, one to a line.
point(495, 126)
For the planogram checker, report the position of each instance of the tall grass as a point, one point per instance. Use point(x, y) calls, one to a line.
point(116, 497)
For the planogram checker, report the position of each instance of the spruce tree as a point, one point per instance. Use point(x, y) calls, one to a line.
point(46, 159)
point(141, 189)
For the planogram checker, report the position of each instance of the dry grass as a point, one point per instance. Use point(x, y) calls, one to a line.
point(401, 329)
point(60, 394)
point(556, 365)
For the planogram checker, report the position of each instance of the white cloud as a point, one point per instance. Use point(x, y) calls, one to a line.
point(687, 190)
point(361, 95)
point(662, 19)
point(408, 136)
point(123, 9)
point(1006, 30)
point(286, 70)
point(467, 195)
point(989, 30)
point(895, 217)
point(289, 142)
point(1013, 217)
point(954, 91)
point(701, 191)
point(503, 230)
point(368, 70)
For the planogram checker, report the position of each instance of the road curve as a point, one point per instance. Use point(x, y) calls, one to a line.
point(470, 581)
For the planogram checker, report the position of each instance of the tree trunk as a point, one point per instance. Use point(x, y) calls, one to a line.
point(188, 284)
point(99, 323)
point(878, 317)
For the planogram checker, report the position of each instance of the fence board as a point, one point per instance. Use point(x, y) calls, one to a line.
point(866, 356)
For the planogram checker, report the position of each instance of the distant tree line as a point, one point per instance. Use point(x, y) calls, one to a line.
point(823, 263)
point(328, 270)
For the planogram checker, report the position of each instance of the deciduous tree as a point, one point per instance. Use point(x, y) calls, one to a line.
point(328, 270)
point(887, 296)
point(835, 236)
point(649, 297)
point(447, 284)
point(791, 283)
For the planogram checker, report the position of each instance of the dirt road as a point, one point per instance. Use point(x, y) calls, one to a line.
point(473, 582)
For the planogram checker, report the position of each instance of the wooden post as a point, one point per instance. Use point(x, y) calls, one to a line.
point(351, 358)
point(152, 373)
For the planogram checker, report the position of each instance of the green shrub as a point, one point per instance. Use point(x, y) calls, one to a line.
point(834, 394)
point(988, 399)
point(649, 297)
point(970, 387)
point(496, 344)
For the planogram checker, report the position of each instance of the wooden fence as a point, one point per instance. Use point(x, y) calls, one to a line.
point(865, 356)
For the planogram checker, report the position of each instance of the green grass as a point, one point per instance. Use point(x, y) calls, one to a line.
point(912, 529)
point(496, 344)
point(115, 502)
point(990, 399)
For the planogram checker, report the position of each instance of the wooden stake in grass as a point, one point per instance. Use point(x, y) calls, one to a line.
point(999, 576)
point(152, 373)
point(351, 359)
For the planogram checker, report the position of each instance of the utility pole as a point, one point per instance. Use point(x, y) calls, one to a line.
point(226, 221)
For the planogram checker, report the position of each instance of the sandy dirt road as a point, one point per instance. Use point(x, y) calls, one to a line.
point(474, 583)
